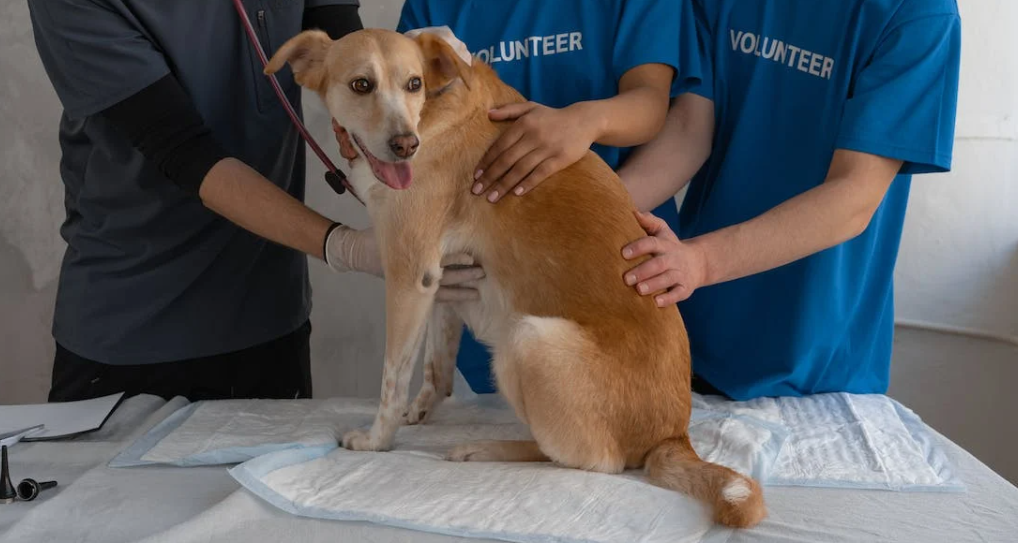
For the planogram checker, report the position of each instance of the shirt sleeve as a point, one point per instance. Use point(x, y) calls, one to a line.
point(336, 20)
point(671, 40)
point(93, 52)
point(704, 51)
point(412, 16)
point(161, 122)
point(904, 101)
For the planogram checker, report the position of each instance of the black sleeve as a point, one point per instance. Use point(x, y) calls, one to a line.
point(162, 123)
point(336, 20)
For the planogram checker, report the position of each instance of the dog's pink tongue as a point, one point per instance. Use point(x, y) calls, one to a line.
point(397, 175)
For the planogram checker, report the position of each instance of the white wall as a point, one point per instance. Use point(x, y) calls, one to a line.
point(958, 265)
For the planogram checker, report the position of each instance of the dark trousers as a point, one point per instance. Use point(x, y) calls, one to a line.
point(278, 369)
point(704, 388)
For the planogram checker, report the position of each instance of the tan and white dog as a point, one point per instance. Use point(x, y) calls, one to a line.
point(600, 374)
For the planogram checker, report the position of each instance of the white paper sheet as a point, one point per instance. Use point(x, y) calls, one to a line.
point(61, 419)
point(10, 438)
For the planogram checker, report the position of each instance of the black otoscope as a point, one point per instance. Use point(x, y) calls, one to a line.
point(26, 491)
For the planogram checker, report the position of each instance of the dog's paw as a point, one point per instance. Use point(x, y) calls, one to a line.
point(416, 415)
point(423, 406)
point(471, 452)
point(359, 440)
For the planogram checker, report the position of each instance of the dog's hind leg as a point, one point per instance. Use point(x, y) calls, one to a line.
point(441, 344)
point(498, 451)
point(542, 370)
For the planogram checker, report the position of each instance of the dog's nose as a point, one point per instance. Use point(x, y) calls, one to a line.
point(404, 146)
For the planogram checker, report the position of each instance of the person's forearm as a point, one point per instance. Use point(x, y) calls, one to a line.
point(627, 119)
point(165, 127)
point(832, 213)
point(240, 194)
point(634, 115)
point(657, 171)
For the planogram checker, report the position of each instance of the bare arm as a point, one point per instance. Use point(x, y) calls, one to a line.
point(544, 140)
point(827, 215)
point(161, 122)
point(239, 193)
point(636, 114)
point(657, 171)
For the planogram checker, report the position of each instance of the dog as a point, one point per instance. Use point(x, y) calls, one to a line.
point(600, 375)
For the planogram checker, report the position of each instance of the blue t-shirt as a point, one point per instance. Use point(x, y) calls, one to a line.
point(791, 82)
point(562, 52)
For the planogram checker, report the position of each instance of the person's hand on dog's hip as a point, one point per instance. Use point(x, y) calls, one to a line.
point(347, 249)
point(541, 142)
point(677, 267)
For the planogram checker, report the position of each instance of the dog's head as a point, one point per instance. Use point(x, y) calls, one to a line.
point(374, 83)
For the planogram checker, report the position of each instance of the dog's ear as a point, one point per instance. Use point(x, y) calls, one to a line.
point(441, 63)
point(306, 54)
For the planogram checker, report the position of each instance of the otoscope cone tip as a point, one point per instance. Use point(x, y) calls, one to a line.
point(7, 491)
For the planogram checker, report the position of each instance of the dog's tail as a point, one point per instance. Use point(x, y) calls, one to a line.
point(737, 500)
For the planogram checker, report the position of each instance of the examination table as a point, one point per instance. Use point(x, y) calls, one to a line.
point(96, 503)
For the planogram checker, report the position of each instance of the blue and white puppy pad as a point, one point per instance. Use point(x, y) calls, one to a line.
point(847, 441)
point(413, 487)
point(835, 440)
point(233, 431)
point(528, 503)
point(208, 433)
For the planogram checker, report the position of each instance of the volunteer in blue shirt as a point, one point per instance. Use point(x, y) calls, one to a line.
point(596, 75)
point(811, 121)
point(185, 271)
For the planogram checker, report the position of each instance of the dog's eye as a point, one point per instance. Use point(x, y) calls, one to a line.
point(361, 86)
point(414, 85)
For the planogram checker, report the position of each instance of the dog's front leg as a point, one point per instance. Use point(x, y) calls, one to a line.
point(445, 329)
point(409, 297)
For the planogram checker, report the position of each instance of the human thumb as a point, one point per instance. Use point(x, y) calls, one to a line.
point(510, 112)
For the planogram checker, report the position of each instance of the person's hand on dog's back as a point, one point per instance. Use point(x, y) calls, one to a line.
point(544, 141)
point(541, 142)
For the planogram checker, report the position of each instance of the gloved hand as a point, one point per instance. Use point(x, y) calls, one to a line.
point(446, 34)
point(347, 249)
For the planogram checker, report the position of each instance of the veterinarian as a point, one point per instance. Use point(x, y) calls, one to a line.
point(595, 78)
point(801, 144)
point(185, 271)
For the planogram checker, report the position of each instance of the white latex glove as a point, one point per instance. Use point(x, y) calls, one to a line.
point(446, 34)
point(347, 249)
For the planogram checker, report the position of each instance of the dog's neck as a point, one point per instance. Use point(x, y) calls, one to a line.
point(434, 94)
point(456, 115)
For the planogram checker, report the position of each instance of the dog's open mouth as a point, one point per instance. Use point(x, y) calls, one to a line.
point(395, 175)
